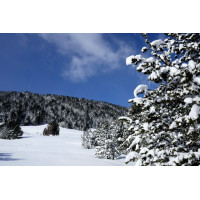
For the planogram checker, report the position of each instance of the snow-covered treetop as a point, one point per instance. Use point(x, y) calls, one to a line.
point(177, 55)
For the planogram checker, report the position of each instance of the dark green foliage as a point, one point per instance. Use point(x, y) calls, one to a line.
point(52, 129)
point(10, 129)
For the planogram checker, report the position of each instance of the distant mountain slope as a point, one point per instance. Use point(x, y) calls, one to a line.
point(34, 109)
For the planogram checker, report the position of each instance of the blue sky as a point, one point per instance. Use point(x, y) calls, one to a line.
point(91, 66)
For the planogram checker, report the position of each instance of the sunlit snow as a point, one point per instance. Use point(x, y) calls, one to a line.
point(34, 149)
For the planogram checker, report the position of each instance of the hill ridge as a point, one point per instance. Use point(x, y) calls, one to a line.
point(71, 112)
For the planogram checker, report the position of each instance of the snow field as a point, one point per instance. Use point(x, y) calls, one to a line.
point(34, 149)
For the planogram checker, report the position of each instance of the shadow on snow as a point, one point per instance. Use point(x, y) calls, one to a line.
point(7, 157)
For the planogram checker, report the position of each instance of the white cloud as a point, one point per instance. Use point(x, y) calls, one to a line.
point(90, 53)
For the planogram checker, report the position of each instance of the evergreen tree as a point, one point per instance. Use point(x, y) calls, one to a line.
point(165, 128)
point(90, 138)
point(110, 138)
point(107, 143)
point(10, 129)
point(52, 129)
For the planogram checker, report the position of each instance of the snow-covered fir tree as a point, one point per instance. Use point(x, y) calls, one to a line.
point(163, 127)
point(107, 145)
point(89, 138)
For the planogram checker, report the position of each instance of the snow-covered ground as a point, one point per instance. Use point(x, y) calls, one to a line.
point(34, 149)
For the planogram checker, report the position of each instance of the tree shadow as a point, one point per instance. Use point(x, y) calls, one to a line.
point(121, 157)
point(22, 137)
point(7, 157)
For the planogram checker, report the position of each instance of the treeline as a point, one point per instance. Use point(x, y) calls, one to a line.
point(70, 112)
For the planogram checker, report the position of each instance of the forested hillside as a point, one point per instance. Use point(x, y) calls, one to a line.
point(69, 112)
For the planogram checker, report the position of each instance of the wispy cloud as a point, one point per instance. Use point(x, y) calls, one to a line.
point(90, 53)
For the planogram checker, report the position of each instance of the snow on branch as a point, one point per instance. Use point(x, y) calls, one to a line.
point(140, 89)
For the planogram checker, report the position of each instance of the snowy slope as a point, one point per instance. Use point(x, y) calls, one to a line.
point(34, 149)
